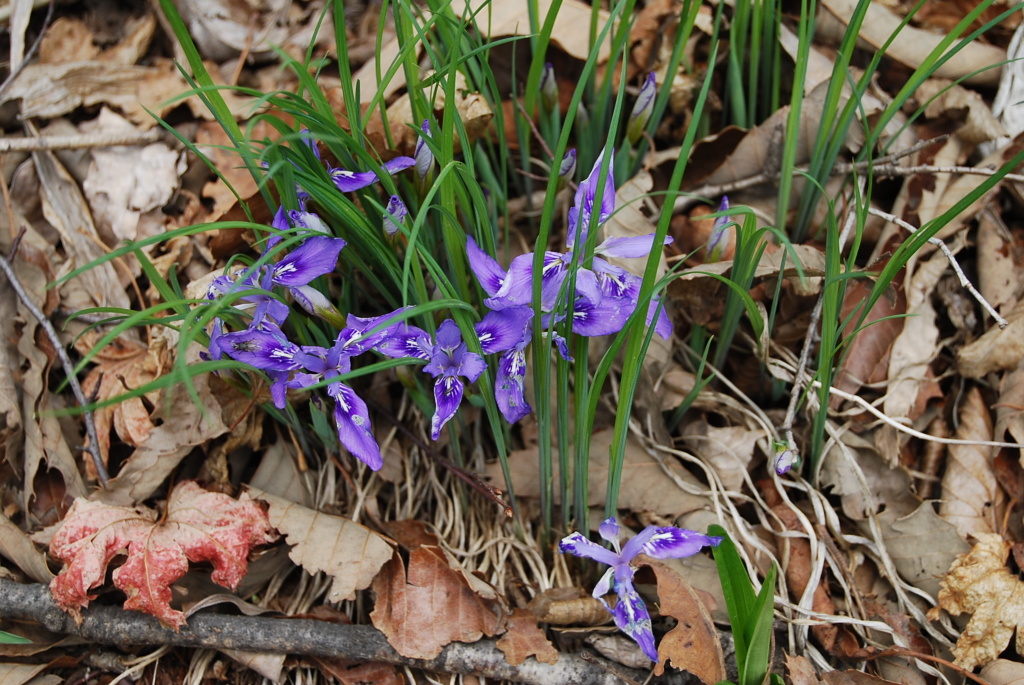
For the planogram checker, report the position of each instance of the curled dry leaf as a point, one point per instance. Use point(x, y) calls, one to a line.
point(997, 349)
point(523, 638)
point(979, 583)
point(350, 553)
point(197, 526)
point(434, 605)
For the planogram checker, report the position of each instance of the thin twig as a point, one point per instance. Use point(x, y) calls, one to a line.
point(112, 625)
point(78, 142)
point(69, 368)
point(1002, 323)
point(871, 409)
point(536, 133)
point(31, 51)
point(893, 170)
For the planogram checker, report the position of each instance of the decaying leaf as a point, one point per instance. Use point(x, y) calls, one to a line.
point(567, 606)
point(523, 638)
point(997, 349)
point(979, 583)
point(922, 545)
point(693, 645)
point(350, 553)
point(971, 497)
point(645, 487)
point(197, 526)
point(430, 607)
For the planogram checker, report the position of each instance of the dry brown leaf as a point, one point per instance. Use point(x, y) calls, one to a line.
point(126, 182)
point(350, 553)
point(853, 678)
point(645, 487)
point(997, 349)
point(867, 359)
point(914, 45)
point(979, 583)
point(1000, 268)
point(183, 427)
point(17, 547)
point(971, 497)
point(1009, 417)
point(693, 645)
point(1003, 672)
point(523, 638)
point(943, 97)
point(45, 445)
point(68, 39)
point(922, 545)
point(122, 365)
point(430, 608)
point(728, 449)
point(507, 18)
point(568, 606)
point(801, 670)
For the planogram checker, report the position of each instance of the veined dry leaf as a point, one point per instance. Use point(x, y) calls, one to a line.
point(122, 365)
point(942, 96)
point(17, 547)
point(693, 645)
point(922, 545)
point(18, 674)
point(197, 526)
point(979, 583)
point(645, 487)
point(350, 553)
point(971, 497)
point(997, 348)
point(1009, 417)
point(126, 182)
point(729, 449)
point(183, 426)
point(431, 607)
point(523, 638)
point(914, 45)
point(67, 39)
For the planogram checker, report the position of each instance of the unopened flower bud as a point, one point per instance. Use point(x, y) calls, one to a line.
point(394, 214)
point(423, 156)
point(642, 109)
point(568, 166)
point(719, 239)
point(785, 458)
point(548, 88)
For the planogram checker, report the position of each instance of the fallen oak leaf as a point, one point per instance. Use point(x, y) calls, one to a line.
point(523, 638)
point(979, 583)
point(198, 526)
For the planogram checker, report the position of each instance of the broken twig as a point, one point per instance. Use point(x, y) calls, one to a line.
point(112, 625)
point(65, 361)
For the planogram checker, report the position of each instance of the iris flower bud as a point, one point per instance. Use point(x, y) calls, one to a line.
point(548, 88)
point(642, 109)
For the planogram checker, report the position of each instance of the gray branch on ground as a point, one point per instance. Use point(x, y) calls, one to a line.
point(116, 626)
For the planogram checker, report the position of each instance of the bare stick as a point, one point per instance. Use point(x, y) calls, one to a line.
point(893, 170)
point(87, 140)
point(112, 625)
point(1002, 323)
point(65, 361)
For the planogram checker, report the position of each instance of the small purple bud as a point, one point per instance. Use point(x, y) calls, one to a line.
point(785, 458)
point(424, 157)
point(642, 109)
point(719, 239)
point(548, 88)
point(394, 215)
point(568, 166)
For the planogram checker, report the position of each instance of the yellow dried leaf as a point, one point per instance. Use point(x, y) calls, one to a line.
point(979, 583)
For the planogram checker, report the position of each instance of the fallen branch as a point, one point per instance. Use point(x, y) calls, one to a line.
point(65, 361)
point(112, 625)
point(78, 142)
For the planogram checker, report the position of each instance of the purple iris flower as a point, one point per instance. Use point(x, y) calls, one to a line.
point(509, 332)
point(630, 612)
point(447, 359)
point(719, 239)
point(424, 156)
point(351, 416)
point(348, 181)
point(265, 347)
point(603, 290)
